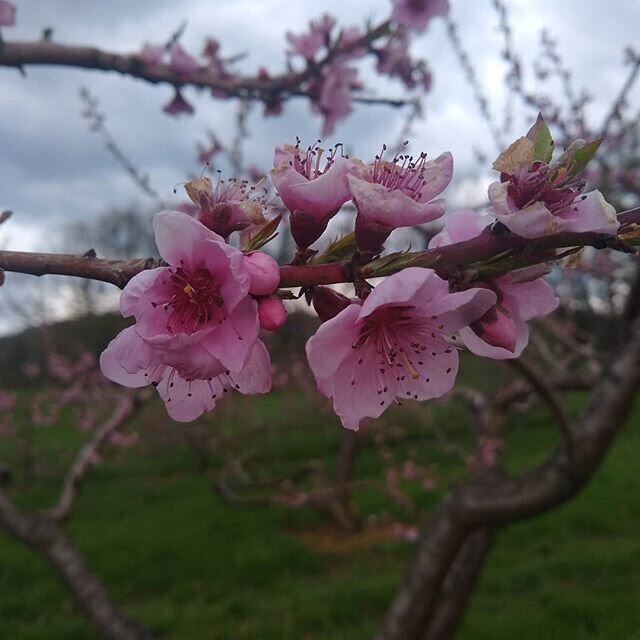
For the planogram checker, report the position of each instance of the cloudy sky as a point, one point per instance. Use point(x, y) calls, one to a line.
point(53, 170)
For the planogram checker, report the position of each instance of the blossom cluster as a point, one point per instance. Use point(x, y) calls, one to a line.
point(320, 62)
point(198, 318)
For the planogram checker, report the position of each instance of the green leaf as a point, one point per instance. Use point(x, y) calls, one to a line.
point(582, 156)
point(264, 235)
point(542, 140)
point(386, 265)
point(338, 249)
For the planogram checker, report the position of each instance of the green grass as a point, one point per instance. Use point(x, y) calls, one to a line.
point(190, 566)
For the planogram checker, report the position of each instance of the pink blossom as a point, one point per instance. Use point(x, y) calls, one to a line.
point(152, 55)
point(7, 14)
point(398, 194)
point(502, 332)
point(181, 62)
point(272, 313)
point(394, 345)
point(334, 102)
point(7, 401)
point(178, 105)
point(394, 60)
point(549, 209)
point(418, 13)
point(307, 44)
point(312, 194)
point(196, 328)
point(264, 273)
point(232, 206)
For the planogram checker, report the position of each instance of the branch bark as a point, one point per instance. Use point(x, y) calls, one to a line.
point(83, 461)
point(43, 52)
point(444, 260)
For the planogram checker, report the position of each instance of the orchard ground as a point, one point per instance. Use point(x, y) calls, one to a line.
point(191, 566)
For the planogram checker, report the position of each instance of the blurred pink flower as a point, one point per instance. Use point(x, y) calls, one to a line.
point(7, 14)
point(196, 328)
point(7, 401)
point(418, 13)
point(502, 332)
point(178, 105)
point(152, 55)
point(394, 345)
point(334, 101)
point(182, 62)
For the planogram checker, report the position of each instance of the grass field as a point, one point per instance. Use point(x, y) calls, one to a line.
point(193, 567)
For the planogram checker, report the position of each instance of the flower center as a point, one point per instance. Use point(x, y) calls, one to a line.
point(195, 300)
point(402, 173)
point(308, 163)
point(382, 329)
point(542, 183)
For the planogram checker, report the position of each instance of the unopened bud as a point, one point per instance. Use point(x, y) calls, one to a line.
point(497, 329)
point(328, 303)
point(271, 313)
point(264, 273)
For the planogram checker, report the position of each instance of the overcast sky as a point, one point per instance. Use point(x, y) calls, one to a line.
point(53, 170)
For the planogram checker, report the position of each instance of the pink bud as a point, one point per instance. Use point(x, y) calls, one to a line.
point(328, 303)
point(271, 313)
point(496, 328)
point(264, 273)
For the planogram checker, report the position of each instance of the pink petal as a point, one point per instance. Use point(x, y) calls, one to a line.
point(332, 343)
point(232, 341)
point(591, 214)
point(127, 360)
point(405, 287)
point(533, 299)
point(460, 226)
point(477, 345)
point(255, 376)
point(393, 208)
point(139, 292)
point(459, 309)
point(178, 235)
point(186, 401)
point(437, 176)
point(355, 389)
point(319, 197)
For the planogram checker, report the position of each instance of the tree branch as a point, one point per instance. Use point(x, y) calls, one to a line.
point(43, 534)
point(44, 52)
point(493, 499)
point(444, 260)
point(83, 461)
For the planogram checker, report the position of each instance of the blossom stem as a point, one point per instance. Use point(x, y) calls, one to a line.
point(449, 258)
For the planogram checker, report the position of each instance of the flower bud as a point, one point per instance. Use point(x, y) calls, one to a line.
point(497, 329)
point(271, 313)
point(264, 273)
point(328, 303)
